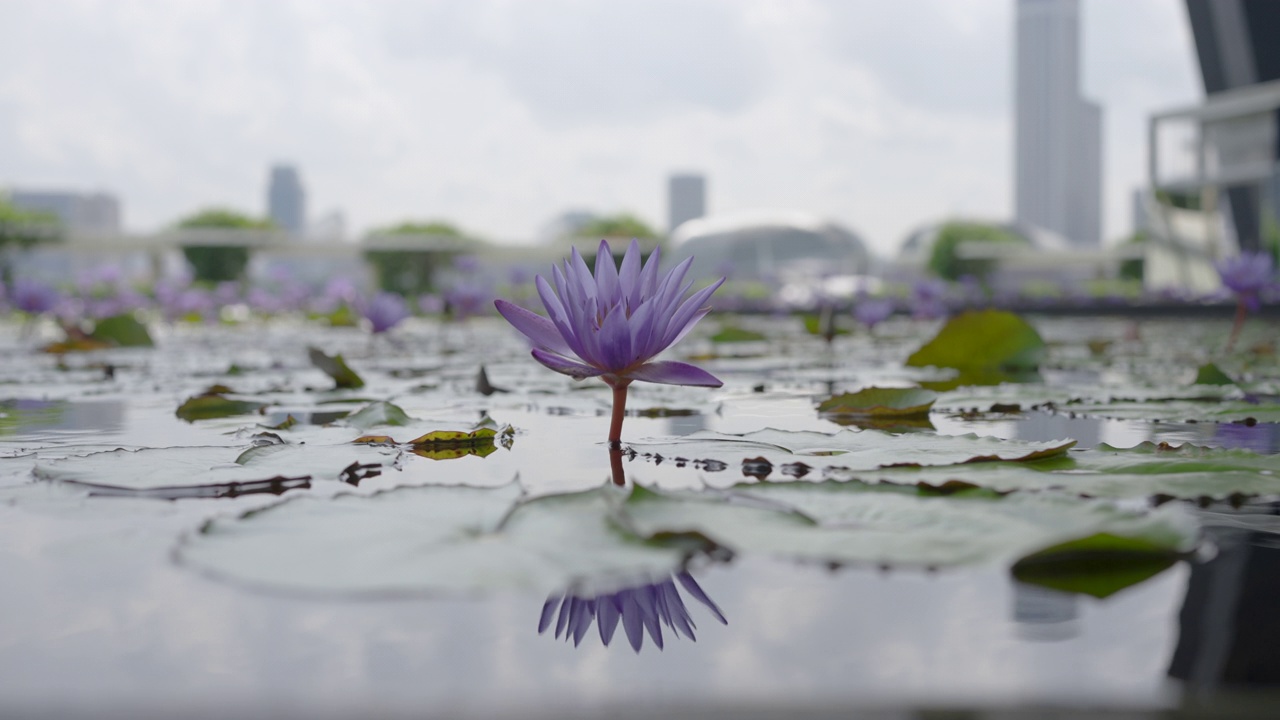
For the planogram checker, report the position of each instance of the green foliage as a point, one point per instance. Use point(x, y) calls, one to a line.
point(881, 402)
point(335, 367)
point(1099, 565)
point(224, 219)
point(944, 261)
point(412, 272)
point(24, 227)
point(122, 331)
point(622, 225)
point(1133, 269)
point(439, 228)
point(219, 263)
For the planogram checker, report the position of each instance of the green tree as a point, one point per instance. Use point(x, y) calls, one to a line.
point(619, 225)
point(218, 263)
point(945, 261)
point(1133, 269)
point(23, 228)
point(412, 272)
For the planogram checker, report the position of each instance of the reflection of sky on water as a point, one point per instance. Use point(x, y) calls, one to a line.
point(23, 418)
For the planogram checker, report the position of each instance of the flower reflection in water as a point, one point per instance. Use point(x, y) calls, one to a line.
point(639, 609)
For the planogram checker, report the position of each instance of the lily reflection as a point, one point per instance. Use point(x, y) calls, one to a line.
point(641, 609)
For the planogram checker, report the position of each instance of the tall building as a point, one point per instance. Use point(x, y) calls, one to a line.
point(686, 199)
point(1057, 133)
point(287, 200)
point(92, 214)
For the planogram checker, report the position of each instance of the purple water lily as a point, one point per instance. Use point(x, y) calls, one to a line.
point(34, 297)
point(640, 609)
point(384, 311)
point(870, 312)
point(614, 324)
point(1248, 275)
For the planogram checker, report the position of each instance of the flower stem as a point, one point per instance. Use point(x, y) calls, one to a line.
point(619, 411)
point(615, 466)
point(1239, 323)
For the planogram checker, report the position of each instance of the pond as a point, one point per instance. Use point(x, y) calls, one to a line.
point(254, 557)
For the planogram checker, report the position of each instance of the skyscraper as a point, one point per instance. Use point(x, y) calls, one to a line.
point(287, 200)
point(1057, 133)
point(686, 199)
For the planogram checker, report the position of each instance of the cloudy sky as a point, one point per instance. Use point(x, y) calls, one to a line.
point(500, 114)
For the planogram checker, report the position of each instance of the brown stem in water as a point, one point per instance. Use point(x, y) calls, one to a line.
point(615, 465)
point(619, 411)
point(1239, 323)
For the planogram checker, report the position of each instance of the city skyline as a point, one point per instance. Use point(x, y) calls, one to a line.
point(879, 117)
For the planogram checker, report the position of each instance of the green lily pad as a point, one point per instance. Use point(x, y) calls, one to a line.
point(865, 449)
point(1211, 374)
point(979, 342)
point(735, 334)
point(1099, 565)
point(880, 402)
point(122, 331)
point(427, 540)
point(216, 405)
point(335, 367)
point(377, 414)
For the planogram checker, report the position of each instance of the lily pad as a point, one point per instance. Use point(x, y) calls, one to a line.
point(377, 414)
point(216, 405)
point(981, 341)
point(735, 334)
point(168, 473)
point(122, 331)
point(877, 402)
point(865, 449)
point(427, 540)
point(1099, 565)
point(853, 522)
point(1211, 374)
point(335, 367)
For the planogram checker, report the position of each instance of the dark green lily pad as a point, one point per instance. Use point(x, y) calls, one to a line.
point(877, 402)
point(978, 342)
point(377, 414)
point(216, 405)
point(335, 367)
point(735, 334)
point(122, 331)
point(1099, 565)
point(1211, 374)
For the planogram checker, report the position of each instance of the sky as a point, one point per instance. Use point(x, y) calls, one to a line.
point(498, 115)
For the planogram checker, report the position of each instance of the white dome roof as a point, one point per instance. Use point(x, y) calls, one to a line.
point(767, 243)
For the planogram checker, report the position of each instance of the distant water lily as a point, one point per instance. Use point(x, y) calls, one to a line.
point(384, 311)
point(34, 297)
point(1247, 275)
point(870, 312)
point(614, 324)
point(640, 609)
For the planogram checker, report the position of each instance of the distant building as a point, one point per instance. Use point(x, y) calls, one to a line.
point(567, 224)
point(287, 200)
point(686, 199)
point(768, 245)
point(91, 214)
point(1057, 133)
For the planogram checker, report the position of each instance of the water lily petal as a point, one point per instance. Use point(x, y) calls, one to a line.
point(629, 275)
point(682, 318)
point(615, 340)
point(576, 370)
point(540, 330)
point(607, 289)
point(700, 595)
point(670, 372)
point(607, 616)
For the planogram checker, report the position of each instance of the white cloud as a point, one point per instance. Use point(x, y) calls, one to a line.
point(501, 114)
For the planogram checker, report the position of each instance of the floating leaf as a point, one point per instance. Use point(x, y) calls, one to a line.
point(1211, 374)
point(210, 406)
point(852, 522)
point(122, 331)
point(377, 414)
point(980, 341)
point(433, 539)
point(881, 403)
point(335, 367)
point(866, 449)
point(169, 473)
point(1099, 565)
